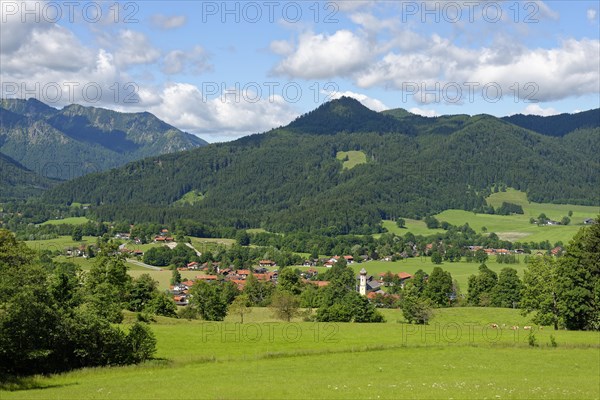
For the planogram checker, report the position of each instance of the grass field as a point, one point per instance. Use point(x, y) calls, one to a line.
point(457, 356)
point(70, 221)
point(510, 227)
point(351, 158)
point(59, 243)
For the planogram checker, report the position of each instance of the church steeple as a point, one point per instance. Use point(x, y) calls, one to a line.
point(362, 288)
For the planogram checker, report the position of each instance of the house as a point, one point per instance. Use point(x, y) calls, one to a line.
point(179, 288)
point(239, 282)
point(556, 251)
point(266, 263)
point(122, 235)
point(242, 273)
point(207, 277)
point(188, 283)
point(328, 264)
point(309, 263)
point(181, 300)
point(349, 259)
point(193, 265)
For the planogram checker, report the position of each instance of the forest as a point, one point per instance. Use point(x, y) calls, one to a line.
point(289, 179)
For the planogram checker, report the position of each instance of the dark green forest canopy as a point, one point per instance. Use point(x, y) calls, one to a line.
point(289, 179)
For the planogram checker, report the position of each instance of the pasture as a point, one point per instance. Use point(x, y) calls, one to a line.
point(59, 243)
point(67, 221)
point(351, 159)
point(457, 355)
point(514, 227)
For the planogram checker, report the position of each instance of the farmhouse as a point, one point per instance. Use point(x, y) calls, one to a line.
point(266, 263)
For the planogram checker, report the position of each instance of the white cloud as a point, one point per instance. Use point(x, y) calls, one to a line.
point(135, 48)
point(545, 11)
point(194, 61)
point(325, 56)
point(346, 6)
point(369, 102)
point(535, 109)
point(168, 22)
point(570, 69)
point(423, 112)
point(591, 15)
point(281, 47)
point(217, 119)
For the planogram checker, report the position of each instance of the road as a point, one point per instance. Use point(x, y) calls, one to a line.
point(141, 264)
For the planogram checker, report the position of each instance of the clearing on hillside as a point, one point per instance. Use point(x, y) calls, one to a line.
point(351, 158)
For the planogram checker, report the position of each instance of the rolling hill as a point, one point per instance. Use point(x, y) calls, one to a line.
point(77, 140)
point(290, 179)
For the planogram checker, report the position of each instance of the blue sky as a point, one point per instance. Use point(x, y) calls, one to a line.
point(223, 70)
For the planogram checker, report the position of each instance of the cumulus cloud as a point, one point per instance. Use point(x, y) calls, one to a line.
point(319, 56)
point(164, 22)
point(591, 14)
point(570, 69)
point(217, 119)
point(369, 102)
point(536, 109)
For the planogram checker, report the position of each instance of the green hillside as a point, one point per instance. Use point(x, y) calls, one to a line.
point(17, 182)
point(289, 179)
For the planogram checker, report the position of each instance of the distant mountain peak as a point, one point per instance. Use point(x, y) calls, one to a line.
point(92, 138)
point(345, 114)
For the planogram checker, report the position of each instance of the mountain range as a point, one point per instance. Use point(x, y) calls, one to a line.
point(76, 140)
point(301, 177)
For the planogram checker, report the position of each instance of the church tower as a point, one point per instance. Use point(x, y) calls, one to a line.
point(362, 288)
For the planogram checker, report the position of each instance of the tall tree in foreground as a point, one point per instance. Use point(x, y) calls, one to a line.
point(507, 293)
point(439, 288)
point(579, 284)
point(539, 292)
point(208, 301)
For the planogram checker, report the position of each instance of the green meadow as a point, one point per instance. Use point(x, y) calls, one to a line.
point(514, 227)
point(458, 355)
point(59, 243)
point(351, 159)
point(67, 221)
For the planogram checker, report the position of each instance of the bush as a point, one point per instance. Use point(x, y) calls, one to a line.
point(188, 313)
point(417, 310)
point(142, 343)
point(532, 340)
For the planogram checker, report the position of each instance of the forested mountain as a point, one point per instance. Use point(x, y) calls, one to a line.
point(556, 125)
point(17, 181)
point(289, 178)
point(76, 140)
